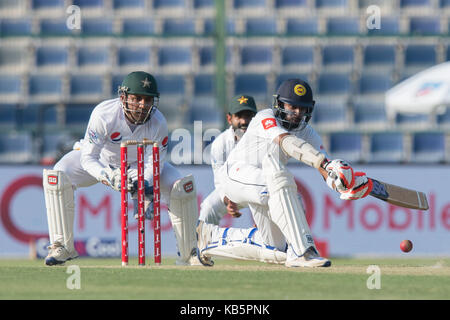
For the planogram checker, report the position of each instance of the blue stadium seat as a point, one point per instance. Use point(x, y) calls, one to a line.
point(330, 115)
point(173, 26)
point(56, 27)
point(341, 56)
point(207, 111)
point(175, 56)
point(138, 26)
point(204, 85)
point(30, 116)
point(425, 26)
point(412, 120)
point(443, 119)
point(128, 4)
point(207, 55)
point(346, 145)
point(388, 26)
point(171, 85)
point(134, 56)
point(77, 116)
point(266, 26)
point(97, 27)
point(89, 4)
point(256, 55)
point(420, 56)
point(331, 4)
point(334, 84)
point(45, 85)
point(343, 26)
point(252, 84)
point(428, 147)
point(13, 58)
point(302, 26)
point(374, 83)
point(250, 4)
point(414, 3)
point(52, 57)
point(291, 4)
point(386, 147)
point(370, 115)
point(169, 4)
point(295, 56)
point(209, 26)
point(7, 116)
point(379, 55)
point(16, 147)
point(203, 4)
point(93, 56)
point(48, 4)
point(15, 27)
point(86, 86)
point(10, 86)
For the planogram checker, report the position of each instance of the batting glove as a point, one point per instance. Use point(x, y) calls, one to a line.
point(340, 175)
point(362, 188)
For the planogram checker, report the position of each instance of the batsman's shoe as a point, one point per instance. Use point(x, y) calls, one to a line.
point(203, 239)
point(192, 261)
point(58, 254)
point(310, 259)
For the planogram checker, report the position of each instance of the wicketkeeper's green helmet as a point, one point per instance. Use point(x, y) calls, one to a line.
point(141, 83)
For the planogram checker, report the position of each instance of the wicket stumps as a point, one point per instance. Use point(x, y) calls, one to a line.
point(141, 200)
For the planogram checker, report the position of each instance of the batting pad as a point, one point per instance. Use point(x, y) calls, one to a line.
point(285, 208)
point(183, 213)
point(243, 244)
point(59, 200)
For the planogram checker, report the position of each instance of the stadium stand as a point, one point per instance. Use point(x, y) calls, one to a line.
point(16, 147)
point(428, 147)
point(386, 147)
point(49, 69)
point(346, 145)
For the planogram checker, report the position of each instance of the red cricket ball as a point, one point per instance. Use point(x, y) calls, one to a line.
point(406, 245)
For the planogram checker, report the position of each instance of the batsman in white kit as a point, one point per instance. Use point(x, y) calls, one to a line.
point(134, 115)
point(255, 175)
point(241, 110)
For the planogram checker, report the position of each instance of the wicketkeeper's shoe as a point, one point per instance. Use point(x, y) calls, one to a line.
point(58, 254)
point(203, 239)
point(310, 259)
point(193, 260)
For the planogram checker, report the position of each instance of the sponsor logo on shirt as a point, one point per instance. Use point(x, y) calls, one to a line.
point(165, 142)
point(116, 137)
point(93, 137)
point(188, 187)
point(269, 123)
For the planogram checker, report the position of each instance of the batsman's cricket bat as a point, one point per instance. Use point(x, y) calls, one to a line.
point(399, 196)
point(394, 194)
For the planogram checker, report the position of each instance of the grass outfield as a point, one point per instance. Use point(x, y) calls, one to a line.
point(227, 280)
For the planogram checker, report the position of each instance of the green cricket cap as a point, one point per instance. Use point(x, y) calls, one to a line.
point(242, 102)
point(141, 83)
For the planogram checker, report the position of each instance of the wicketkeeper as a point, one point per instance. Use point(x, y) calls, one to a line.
point(134, 115)
point(255, 174)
